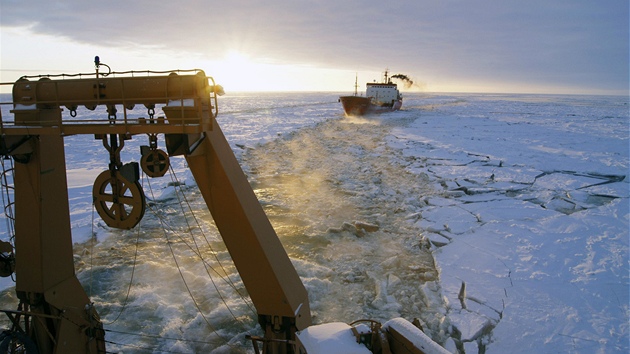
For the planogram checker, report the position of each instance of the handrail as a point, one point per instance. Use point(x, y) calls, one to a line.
point(188, 101)
point(131, 73)
point(266, 342)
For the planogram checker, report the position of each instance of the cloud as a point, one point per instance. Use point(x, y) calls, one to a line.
point(561, 42)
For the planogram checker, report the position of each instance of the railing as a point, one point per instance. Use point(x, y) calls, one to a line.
point(188, 101)
point(267, 343)
point(8, 192)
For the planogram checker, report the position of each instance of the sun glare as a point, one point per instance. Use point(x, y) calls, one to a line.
point(237, 72)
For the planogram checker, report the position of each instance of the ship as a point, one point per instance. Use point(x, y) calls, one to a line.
point(379, 97)
point(55, 314)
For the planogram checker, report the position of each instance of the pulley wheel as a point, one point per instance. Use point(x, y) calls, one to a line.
point(155, 163)
point(119, 202)
point(7, 259)
point(17, 342)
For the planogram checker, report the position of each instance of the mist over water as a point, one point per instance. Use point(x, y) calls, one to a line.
point(185, 294)
point(341, 208)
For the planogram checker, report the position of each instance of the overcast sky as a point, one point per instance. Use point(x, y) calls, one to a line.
point(559, 46)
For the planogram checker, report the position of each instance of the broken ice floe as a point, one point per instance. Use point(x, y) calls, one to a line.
point(357, 228)
point(550, 195)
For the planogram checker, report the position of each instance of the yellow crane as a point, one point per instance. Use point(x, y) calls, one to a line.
point(54, 314)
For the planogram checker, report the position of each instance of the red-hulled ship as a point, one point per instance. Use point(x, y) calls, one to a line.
point(379, 97)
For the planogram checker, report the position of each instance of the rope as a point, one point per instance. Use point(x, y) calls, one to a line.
point(159, 337)
point(191, 248)
point(133, 271)
point(174, 177)
point(181, 274)
point(152, 350)
point(192, 297)
point(114, 73)
point(199, 252)
point(233, 346)
point(196, 250)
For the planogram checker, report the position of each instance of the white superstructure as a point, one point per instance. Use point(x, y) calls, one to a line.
point(383, 93)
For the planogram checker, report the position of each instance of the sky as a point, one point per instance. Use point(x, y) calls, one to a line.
point(536, 46)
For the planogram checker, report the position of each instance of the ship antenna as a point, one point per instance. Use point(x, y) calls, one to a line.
point(97, 64)
point(356, 85)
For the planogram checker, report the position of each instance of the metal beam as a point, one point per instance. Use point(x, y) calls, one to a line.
point(267, 272)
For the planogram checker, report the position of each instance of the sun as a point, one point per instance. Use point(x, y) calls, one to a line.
point(238, 72)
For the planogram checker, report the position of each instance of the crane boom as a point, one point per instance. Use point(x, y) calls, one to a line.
point(45, 278)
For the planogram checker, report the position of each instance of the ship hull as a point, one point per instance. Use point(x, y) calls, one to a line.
point(359, 106)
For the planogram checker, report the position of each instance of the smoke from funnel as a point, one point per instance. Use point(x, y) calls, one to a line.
point(405, 79)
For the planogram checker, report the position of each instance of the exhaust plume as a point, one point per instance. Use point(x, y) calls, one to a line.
point(408, 83)
point(405, 79)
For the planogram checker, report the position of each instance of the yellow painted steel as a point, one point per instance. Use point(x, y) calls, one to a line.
point(45, 276)
point(190, 104)
point(270, 278)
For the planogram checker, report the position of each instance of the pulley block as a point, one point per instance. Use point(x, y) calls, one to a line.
point(17, 342)
point(119, 202)
point(155, 163)
point(7, 259)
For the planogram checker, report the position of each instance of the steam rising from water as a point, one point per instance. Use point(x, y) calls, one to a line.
point(343, 211)
point(320, 187)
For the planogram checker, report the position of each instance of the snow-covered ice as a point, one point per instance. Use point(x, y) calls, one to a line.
point(539, 230)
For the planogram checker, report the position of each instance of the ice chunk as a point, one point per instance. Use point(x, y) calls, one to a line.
point(469, 324)
point(331, 338)
point(414, 335)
